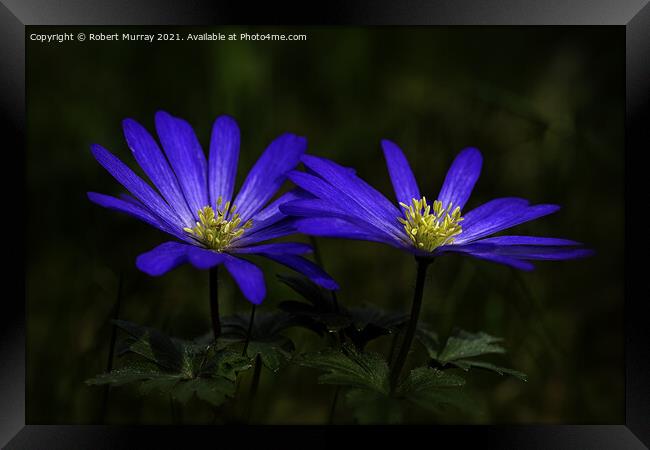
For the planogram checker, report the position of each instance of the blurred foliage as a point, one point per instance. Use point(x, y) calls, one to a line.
point(545, 106)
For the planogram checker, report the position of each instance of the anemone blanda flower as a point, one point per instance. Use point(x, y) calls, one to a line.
point(345, 206)
point(194, 201)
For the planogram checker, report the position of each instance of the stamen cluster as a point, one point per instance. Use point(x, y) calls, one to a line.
point(429, 228)
point(217, 230)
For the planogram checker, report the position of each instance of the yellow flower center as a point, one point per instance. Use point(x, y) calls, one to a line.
point(429, 228)
point(217, 230)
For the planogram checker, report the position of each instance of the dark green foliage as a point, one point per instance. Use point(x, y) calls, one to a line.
point(151, 344)
point(349, 367)
point(265, 340)
point(436, 390)
point(370, 322)
point(321, 315)
point(369, 395)
point(176, 367)
point(461, 349)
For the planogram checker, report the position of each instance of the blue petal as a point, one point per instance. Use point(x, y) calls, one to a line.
point(268, 173)
point(186, 158)
point(357, 209)
point(317, 208)
point(527, 240)
point(508, 261)
point(491, 209)
point(278, 229)
point(485, 252)
point(305, 267)
point(271, 222)
point(155, 165)
point(401, 175)
point(224, 154)
point(508, 215)
point(248, 277)
point(163, 258)
point(272, 213)
point(539, 252)
point(339, 228)
point(293, 248)
point(130, 199)
point(204, 259)
point(136, 186)
point(137, 210)
point(370, 201)
point(461, 178)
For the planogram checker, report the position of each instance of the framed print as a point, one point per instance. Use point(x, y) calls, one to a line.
point(390, 220)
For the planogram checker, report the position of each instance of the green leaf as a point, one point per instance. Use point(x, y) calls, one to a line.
point(320, 315)
point(463, 345)
point(228, 364)
point(436, 390)
point(429, 339)
point(200, 370)
point(369, 323)
point(215, 379)
point(125, 375)
point(272, 353)
point(213, 390)
point(466, 364)
point(366, 374)
point(368, 315)
point(466, 345)
point(265, 340)
point(266, 325)
point(152, 345)
point(425, 378)
point(372, 407)
point(439, 400)
point(349, 367)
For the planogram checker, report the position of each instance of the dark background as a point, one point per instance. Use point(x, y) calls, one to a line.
point(545, 105)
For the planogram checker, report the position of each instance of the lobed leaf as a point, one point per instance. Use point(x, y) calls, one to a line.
point(200, 370)
point(349, 367)
point(466, 345)
point(436, 390)
point(466, 364)
point(152, 345)
point(265, 341)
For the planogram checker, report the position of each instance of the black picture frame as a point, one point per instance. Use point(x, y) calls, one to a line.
point(633, 15)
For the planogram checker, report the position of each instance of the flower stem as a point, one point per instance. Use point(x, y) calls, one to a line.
point(248, 333)
point(423, 264)
point(214, 302)
point(337, 310)
point(254, 385)
point(258, 367)
point(393, 346)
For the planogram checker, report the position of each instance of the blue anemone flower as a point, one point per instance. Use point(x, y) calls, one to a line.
point(345, 206)
point(194, 201)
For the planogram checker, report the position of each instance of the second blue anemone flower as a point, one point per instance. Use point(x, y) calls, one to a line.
point(345, 206)
point(194, 201)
